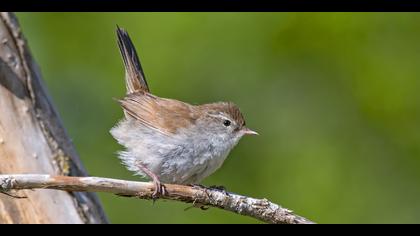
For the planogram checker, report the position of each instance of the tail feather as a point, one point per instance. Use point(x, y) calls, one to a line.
point(134, 77)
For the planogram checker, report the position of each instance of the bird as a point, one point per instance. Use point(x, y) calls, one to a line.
point(167, 140)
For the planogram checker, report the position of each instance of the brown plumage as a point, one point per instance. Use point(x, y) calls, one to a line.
point(161, 114)
point(229, 108)
point(169, 115)
point(134, 75)
point(197, 138)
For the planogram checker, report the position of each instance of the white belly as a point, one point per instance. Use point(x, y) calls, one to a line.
point(191, 165)
point(178, 159)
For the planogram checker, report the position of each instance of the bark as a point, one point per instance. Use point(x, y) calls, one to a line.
point(33, 140)
point(260, 209)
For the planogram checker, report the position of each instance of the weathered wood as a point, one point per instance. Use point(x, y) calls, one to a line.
point(33, 140)
point(260, 209)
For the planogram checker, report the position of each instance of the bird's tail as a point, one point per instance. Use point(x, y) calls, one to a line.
point(134, 75)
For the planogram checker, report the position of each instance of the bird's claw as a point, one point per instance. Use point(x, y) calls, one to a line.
point(212, 187)
point(160, 190)
point(220, 188)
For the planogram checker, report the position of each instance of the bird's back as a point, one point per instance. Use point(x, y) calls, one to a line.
point(163, 115)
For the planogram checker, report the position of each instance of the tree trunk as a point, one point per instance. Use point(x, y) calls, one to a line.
point(33, 140)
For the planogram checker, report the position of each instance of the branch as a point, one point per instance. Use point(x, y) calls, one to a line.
point(260, 209)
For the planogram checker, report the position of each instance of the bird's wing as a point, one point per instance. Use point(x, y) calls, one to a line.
point(160, 114)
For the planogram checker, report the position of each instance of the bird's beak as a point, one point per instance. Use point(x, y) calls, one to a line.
point(248, 131)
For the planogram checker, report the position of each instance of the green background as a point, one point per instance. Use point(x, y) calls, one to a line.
point(334, 96)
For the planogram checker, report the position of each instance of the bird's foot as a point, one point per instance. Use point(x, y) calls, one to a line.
point(160, 189)
point(212, 187)
point(218, 187)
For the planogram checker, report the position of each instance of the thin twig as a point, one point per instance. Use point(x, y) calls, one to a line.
point(261, 209)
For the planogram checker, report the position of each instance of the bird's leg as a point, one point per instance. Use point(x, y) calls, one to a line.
point(159, 187)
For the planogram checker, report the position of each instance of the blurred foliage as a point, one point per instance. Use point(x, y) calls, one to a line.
point(333, 95)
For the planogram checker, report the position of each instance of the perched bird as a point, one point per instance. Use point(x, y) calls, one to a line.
point(168, 140)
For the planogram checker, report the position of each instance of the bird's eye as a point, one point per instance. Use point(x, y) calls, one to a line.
point(226, 123)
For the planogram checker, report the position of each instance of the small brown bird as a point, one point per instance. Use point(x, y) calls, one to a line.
point(168, 140)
